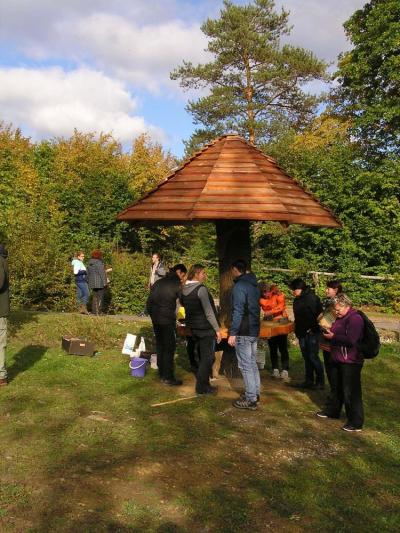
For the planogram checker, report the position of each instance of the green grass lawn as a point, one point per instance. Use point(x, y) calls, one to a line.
point(83, 450)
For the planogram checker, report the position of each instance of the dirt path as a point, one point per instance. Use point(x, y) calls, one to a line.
point(381, 320)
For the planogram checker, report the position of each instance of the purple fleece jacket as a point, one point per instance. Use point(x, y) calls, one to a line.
point(347, 332)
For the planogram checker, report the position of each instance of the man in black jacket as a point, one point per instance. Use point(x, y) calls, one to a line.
point(306, 309)
point(161, 306)
point(4, 310)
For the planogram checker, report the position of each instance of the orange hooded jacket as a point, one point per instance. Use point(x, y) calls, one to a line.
point(274, 304)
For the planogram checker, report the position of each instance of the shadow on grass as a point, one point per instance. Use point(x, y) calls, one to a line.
point(229, 486)
point(18, 319)
point(203, 466)
point(25, 359)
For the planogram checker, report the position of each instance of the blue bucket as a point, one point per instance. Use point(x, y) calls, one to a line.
point(138, 367)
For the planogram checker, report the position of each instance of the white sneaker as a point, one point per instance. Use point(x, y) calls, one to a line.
point(275, 373)
point(285, 375)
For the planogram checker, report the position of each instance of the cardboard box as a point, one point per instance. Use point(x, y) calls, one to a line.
point(77, 346)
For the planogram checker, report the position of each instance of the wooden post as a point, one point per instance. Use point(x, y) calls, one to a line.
point(315, 277)
point(233, 242)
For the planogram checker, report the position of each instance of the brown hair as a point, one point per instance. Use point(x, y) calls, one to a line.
point(194, 270)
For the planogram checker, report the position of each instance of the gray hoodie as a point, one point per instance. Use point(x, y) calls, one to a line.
point(204, 298)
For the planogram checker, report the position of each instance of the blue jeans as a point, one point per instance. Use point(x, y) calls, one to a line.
point(82, 292)
point(309, 346)
point(246, 348)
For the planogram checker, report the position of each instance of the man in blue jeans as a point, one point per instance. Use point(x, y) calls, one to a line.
point(306, 309)
point(244, 332)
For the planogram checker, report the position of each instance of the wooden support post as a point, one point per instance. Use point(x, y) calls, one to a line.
point(233, 242)
point(315, 277)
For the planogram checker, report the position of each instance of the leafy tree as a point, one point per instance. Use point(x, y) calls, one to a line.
point(329, 163)
point(369, 75)
point(89, 176)
point(31, 223)
point(149, 165)
point(255, 84)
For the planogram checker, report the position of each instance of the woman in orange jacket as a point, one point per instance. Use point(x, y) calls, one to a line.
point(273, 305)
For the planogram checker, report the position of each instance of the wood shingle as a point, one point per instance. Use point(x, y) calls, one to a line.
point(230, 179)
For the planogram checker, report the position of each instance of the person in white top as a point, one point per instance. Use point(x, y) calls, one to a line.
point(80, 274)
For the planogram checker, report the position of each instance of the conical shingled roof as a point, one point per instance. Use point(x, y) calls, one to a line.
point(230, 179)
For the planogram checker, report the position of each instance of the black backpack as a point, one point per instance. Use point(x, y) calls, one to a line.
point(370, 343)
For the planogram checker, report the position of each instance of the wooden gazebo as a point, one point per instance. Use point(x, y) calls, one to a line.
point(229, 182)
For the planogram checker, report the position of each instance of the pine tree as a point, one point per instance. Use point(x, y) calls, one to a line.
point(255, 84)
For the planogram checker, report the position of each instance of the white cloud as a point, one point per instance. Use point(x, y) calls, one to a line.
point(142, 55)
point(318, 24)
point(139, 42)
point(52, 102)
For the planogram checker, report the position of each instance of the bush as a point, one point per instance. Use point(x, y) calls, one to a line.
point(129, 280)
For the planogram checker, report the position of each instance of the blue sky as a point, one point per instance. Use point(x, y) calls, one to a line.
point(101, 65)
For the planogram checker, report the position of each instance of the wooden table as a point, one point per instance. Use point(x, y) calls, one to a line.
point(268, 329)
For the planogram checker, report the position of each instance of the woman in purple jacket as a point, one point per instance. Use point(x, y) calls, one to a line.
point(347, 363)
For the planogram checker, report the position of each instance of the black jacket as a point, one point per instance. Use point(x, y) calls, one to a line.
point(4, 284)
point(306, 309)
point(162, 301)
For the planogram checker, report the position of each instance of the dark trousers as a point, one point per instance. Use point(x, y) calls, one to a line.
point(328, 366)
point(206, 351)
point(165, 348)
point(346, 389)
point(192, 352)
point(279, 343)
point(309, 346)
point(97, 300)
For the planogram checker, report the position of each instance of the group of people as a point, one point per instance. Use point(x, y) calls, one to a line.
point(93, 277)
point(337, 328)
point(333, 326)
point(182, 287)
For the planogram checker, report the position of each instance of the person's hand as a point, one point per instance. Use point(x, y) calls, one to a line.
point(219, 337)
point(328, 334)
point(232, 340)
point(109, 269)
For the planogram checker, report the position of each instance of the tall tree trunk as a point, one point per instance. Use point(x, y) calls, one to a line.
point(249, 93)
point(233, 242)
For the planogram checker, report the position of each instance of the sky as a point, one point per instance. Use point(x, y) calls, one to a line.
point(103, 65)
